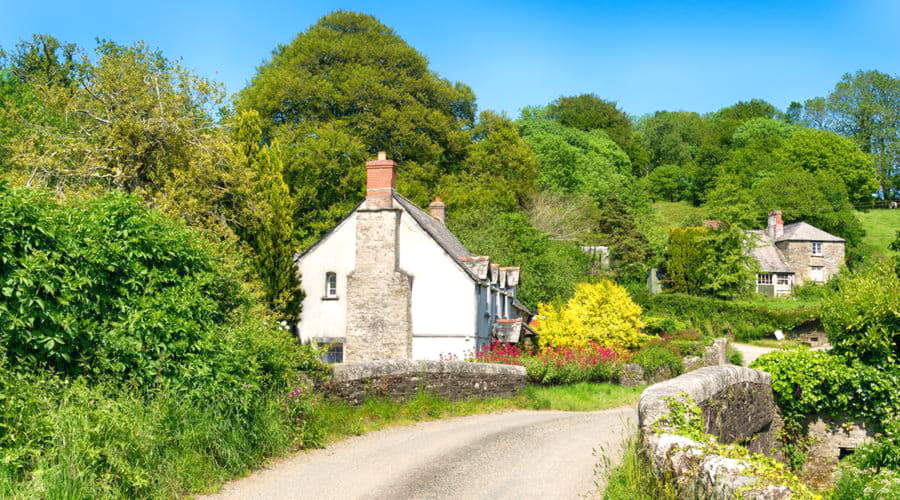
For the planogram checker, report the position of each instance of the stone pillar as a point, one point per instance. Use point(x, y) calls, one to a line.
point(379, 294)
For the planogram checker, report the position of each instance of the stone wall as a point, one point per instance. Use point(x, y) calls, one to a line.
point(830, 439)
point(401, 379)
point(632, 374)
point(379, 294)
point(799, 258)
point(738, 407)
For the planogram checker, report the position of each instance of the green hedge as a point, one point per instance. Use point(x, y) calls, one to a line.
point(715, 317)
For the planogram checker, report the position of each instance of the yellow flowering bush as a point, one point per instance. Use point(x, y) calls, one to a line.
point(601, 313)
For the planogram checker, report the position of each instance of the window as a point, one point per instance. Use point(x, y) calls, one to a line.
point(763, 279)
point(330, 286)
point(334, 354)
point(817, 274)
point(784, 279)
point(817, 248)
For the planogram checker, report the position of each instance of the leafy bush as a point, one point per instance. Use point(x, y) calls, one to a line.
point(552, 366)
point(812, 382)
point(600, 313)
point(716, 317)
point(133, 360)
point(863, 319)
point(106, 287)
point(734, 356)
point(656, 357)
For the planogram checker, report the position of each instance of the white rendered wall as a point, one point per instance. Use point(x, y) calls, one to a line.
point(443, 296)
point(337, 254)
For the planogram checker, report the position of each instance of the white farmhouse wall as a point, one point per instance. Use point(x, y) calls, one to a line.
point(445, 311)
point(443, 296)
point(337, 254)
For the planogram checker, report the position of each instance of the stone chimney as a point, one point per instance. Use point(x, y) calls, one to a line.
point(380, 177)
point(775, 227)
point(438, 210)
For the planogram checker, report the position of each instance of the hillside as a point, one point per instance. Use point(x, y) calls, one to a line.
point(881, 228)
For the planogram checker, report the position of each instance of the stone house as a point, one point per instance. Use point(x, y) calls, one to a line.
point(390, 281)
point(790, 255)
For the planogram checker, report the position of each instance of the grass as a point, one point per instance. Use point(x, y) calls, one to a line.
point(633, 478)
point(775, 343)
point(338, 420)
point(881, 228)
point(668, 215)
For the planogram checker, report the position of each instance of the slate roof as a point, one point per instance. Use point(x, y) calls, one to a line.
point(801, 231)
point(764, 251)
point(438, 232)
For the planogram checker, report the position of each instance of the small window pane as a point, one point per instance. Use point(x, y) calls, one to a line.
point(763, 279)
point(334, 354)
point(783, 279)
point(817, 274)
point(817, 248)
point(331, 285)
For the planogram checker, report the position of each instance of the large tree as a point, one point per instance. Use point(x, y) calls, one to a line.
point(589, 112)
point(353, 79)
point(866, 107)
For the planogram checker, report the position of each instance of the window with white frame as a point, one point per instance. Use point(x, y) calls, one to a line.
point(817, 274)
point(330, 285)
point(784, 279)
point(817, 248)
point(763, 279)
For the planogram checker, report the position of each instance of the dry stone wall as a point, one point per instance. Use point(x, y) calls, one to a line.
point(738, 406)
point(401, 379)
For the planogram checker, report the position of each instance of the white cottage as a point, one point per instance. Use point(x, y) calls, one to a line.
point(391, 281)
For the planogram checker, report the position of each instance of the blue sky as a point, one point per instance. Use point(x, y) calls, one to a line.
point(647, 56)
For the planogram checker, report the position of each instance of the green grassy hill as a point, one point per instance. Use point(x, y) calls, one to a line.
point(881, 228)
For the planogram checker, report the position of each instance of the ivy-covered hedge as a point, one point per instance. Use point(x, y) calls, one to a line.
point(715, 317)
point(808, 382)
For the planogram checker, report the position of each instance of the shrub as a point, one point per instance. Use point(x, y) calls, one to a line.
point(600, 313)
point(716, 317)
point(107, 287)
point(734, 356)
point(863, 318)
point(551, 366)
point(656, 357)
point(812, 382)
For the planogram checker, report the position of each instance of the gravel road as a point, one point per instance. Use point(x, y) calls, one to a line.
point(522, 454)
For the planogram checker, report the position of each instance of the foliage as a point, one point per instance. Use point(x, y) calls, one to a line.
point(570, 218)
point(672, 137)
point(866, 106)
point(811, 382)
point(863, 318)
point(853, 483)
point(670, 183)
point(602, 313)
point(711, 262)
point(589, 112)
point(715, 317)
point(574, 161)
point(500, 168)
point(656, 357)
point(346, 88)
point(629, 250)
point(553, 365)
point(550, 268)
point(734, 356)
point(686, 252)
point(820, 150)
point(634, 477)
point(270, 219)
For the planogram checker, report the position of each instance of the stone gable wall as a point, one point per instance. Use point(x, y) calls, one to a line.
point(379, 294)
point(402, 379)
point(798, 256)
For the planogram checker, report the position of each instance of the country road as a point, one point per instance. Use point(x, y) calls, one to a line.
point(522, 454)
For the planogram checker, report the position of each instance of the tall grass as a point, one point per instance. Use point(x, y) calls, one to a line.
point(632, 479)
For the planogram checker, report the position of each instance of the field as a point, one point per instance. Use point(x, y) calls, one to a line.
point(881, 228)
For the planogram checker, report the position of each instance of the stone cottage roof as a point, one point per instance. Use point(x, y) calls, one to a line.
point(801, 231)
point(765, 252)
